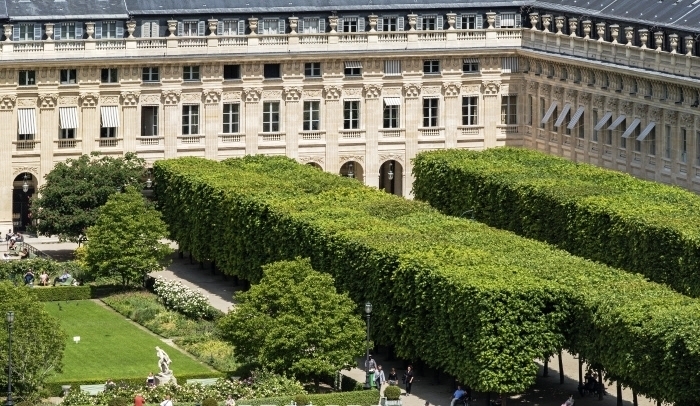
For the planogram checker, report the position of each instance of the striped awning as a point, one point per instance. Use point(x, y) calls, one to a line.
point(602, 121)
point(576, 117)
point(646, 131)
point(617, 122)
point(68, 117)
point(110, 116)
point(26, 119)
point(353, 64)
point(471, 60)
point(562, 115)
point(549, 113)
point(631, 128)
point(392, 101)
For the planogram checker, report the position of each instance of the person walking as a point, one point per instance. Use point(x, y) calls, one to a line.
point(379, 378)
point(408, 379)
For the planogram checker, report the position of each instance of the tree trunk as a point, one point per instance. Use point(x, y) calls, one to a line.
point(561, 369)
point(580, 371)
point(504, 399)
point(634, 398)
point(545, 371)
point(619, 394)
point(658, 403)
point(600, 384)
point(317, 384)
point(180, 254)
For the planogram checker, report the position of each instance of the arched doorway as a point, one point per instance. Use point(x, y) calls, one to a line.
point(315, 165)
point(23, 188)
point(391, 177)
point(353, 169)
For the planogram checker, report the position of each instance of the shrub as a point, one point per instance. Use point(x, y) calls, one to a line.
point(117, 401)
point(61, 293)
point(392, 392)
point(176, 296)
point(360, 398)
point(209, 402)
point(301, 400)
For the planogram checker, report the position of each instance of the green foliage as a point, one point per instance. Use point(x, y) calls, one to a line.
point(361, 398)
point(392, 392)
point(295, 322)
point(62, 293)
point(54, 388)
point(117, 401)
point(38, 341)
point(209, 402)
point(74, 190)
point(478, 303)
point(301, 399)
point(15, 270)
point(596, 213)
point(126, 239)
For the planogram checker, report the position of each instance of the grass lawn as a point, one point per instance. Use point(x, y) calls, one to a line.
point(111, 347)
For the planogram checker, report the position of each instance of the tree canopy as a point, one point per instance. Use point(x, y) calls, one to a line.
point(37, 341)
point(295, 322)
point(74, 190)
point(126, 239)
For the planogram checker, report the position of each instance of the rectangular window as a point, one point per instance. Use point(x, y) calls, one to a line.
point(389, 24)
point(109, 75)
point(652, 141)
point(530, 109)
point(507, 20)
point(581, 126)
point(149, 29)
point(667, 142)
point(469, 110)
point(509, 110)
point(431, 67)
point(594, 116)
point(232, 72)
point(567, 118)
point(108, 132)
point(66, 133)
point(311, 116)
point(470, 65)
point(684, 146)
point(27, 78)
point(349, 24)
point(353, 68)
point(190, 119)
point(190, 73)
point(391, 116)
point(312, 69)
point(271, 117)
point(150, 75)
point(189, 28)
point(26, 32)
point(272, 71)
point(429, 23)
point(109, 29)
point(469, 22)
point(697, 148)
point(351, 114)
point(430, 112)
point(231, 118)
point(392, 68)
point(271, 26)
point(68, 31)
point(312, 25)
point(228, 27)
point(69, 76)
point(149, 121)
point(542, 111)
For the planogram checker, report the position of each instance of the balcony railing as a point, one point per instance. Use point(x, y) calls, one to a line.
point(470, 131)
point(108, 142)
point(230, 138)
point(271, 137)
point(311, 135)
point(67, 144)
point(26, 146)
point(190, 139)
point(352, 134)
point(391, 133)
point(431, 131)
point(149, 140)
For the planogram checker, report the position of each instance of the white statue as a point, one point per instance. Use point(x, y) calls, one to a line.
point(163, 362)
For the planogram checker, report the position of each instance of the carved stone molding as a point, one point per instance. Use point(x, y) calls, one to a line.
point(88, 99)
point(353, 91)
point(68, 100)
point(532, 86)
point(48, 100)
point(584, 97)
point(8, 102)
point(598, 101)
point(150, 98)
point(292, 93)
point(412, 90)
point(470, 89)
point(109, 100)
point(232, 96)
point(558, 92)
point(311, 159)
point(451, 89)
point(545, 88)
point(189, 98)
point(252, 94)
point(373, 91)
point(571, 95)
point(640, 110)
point(391, 157)
point(130, 98)
point(312, 94)
point(686, 119)
point(654, 114)
point(355, 158)
point(612, 103)
point(333, 92)
point(431, 90)
point(26, 102)
point(211, 96)
point(491, 87)
point(626, 107)
point(272, 94)
point(21, 169)
point(670, 115)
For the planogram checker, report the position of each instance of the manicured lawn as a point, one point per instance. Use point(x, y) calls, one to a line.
point(111, 347)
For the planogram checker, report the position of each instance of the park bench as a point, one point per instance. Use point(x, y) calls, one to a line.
point(203, 382)
point(92, 389)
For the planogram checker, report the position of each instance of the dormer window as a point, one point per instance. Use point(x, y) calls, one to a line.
point(230, 27)
point(190, 28)
point(351, 24)
point(109, 29)
point(312, 25)
point(68, 31)
point(430, 22)
point(27, 32)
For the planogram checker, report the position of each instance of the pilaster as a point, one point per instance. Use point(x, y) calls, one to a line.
point(414, 108)
point(492, 111)
point(131, 122)
point(47, 130)
point(452, 119)
point(212, 121)
point(253, 111)
point(171, 127)
point(334, 122)
point(374, 116)
point(7, 135)
point(89, 122)
point(293, 112)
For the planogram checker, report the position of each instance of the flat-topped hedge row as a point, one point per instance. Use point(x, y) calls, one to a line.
point(479, 303)
point(596, 213)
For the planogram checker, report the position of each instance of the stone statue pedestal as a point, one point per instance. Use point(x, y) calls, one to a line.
point(165, 379)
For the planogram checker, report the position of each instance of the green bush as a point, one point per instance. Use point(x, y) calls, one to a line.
point(61, 293)
point(117, 401)
point(361, 398)
point(392, 392)
point(209, 402)
point(301, 399)
point(478, 303)
point(54, 388)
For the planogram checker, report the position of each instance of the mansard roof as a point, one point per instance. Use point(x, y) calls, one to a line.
point(48, 10)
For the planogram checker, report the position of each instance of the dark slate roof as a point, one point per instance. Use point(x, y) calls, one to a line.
point(48, 10)
point(3, 9)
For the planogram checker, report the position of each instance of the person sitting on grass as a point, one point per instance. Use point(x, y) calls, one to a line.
point(44, 278)
point(29, 278)
point(62, 278)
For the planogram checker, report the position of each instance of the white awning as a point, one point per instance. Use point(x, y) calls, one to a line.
point(392, 101)
point(631, 128)
point(646, 131)
point(110, 116)
point(548, 115)
point(26, 118)
point(617, 122)
point(602, 121)
point(471, 60)
point(68, 117)
point(562, 115)
point(353, 64)
point(575, 118)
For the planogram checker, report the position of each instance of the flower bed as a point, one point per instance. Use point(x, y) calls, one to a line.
point(176, 296)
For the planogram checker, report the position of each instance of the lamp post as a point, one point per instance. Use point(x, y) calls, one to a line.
point(10, 320)
point(351, 174)
point(25, 184)
point(368, 313)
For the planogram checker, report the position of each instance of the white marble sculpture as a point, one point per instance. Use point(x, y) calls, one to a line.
point(166, 374)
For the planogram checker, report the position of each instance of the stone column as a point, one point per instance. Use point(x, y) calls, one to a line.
point(131, 122)
point(47, 130)
point(212, 122)
point(172, 122)
point(492, 111)
point(373, 122)
point(294, 113)
point(450, 92)
point(253, 122)
point(8, 133)
point(334, 122)
point(89, 129)
point(414, 108)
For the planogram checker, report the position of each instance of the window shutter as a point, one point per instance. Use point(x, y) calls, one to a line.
point(360, 24)
point(78, 30)
point(145, 29)
point(98, 30)
point(281, 27)
point(119, 30)
point(479, 22)
point(261, 27)
point(300, 26)
point(439, 23)
point(37, 32)
point(380, 23)
point(180, 28)
point(241, 27)
point(498, 21)
point(419, 23)
point(399, 24)
point(57, 32)
point(321, 25)
point(15, 33)
point(201, 29)
point(518, 21)
point(458, 23)
point(340, 25)
point(219, 27)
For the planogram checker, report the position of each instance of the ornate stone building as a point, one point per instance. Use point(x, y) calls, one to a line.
point(357, 89)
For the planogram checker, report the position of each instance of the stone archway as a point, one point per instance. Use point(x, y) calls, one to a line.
point(315, 165)
point(353, 169)
point(391, 177)
point(24, 186)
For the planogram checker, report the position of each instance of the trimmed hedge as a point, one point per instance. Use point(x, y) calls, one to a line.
point(60, 293)
point(55, 387)
point(361, 398)
point(478, 303)
point(596, 213)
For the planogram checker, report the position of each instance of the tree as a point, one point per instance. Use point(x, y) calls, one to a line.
point(126, 239)
point(68, 200)
point(37, 341)
point(295, 322)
